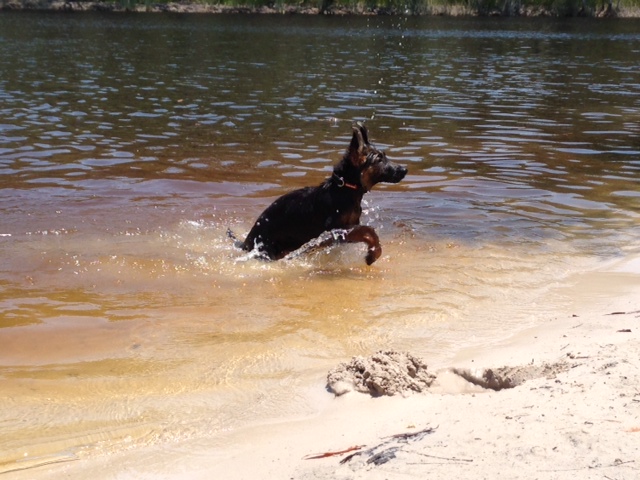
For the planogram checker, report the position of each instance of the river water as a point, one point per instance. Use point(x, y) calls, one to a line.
point(130, 143)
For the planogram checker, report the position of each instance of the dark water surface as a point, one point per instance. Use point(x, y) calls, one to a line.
point(129, 144)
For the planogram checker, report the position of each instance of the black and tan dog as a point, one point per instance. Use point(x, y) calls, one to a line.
point(329, 213)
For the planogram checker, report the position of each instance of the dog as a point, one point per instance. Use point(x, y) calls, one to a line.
point(329, 213)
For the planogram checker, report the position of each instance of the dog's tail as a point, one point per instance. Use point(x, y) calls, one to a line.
point(236, 241)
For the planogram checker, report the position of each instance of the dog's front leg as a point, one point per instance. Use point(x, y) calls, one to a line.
point(368, 235)
point(357, 234)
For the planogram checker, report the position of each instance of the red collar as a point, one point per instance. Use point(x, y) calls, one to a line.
point(341, 183)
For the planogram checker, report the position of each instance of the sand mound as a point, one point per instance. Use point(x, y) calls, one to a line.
point(391, 373)
point(383, 373)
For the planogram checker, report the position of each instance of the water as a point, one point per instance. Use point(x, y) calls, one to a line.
point(129, 144)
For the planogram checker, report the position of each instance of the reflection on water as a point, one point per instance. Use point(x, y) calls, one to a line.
point(129, 144)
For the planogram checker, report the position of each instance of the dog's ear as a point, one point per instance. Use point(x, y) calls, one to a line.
point(357, 146)
point(363, 131)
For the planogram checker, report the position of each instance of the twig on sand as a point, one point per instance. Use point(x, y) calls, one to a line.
point(623, 313)
point(375, 457)
point(379, 457)
point(413, 435)
point(448, 459)
point(616, 463)
point(333, 454)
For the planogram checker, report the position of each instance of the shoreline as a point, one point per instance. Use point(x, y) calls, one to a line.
point(606, 10)
point(577, 411)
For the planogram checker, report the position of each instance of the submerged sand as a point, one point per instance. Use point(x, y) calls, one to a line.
point(571, 408)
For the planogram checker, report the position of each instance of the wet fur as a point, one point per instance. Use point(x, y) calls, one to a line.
point(334, 206)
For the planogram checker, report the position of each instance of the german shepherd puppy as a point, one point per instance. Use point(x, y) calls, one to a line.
point(329, 213)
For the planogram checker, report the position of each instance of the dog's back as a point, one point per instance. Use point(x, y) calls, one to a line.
point(290, 222)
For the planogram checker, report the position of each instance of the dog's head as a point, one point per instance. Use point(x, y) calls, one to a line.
point(373, 164)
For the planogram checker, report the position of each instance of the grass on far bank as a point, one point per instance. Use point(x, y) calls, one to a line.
point(431, 7)
point(558, 8)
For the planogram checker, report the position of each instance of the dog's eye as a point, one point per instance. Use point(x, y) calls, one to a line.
point(374, 157)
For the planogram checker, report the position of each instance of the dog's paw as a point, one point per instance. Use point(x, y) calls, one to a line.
point(373, 254)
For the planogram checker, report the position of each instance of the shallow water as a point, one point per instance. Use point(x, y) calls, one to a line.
point(129, 144)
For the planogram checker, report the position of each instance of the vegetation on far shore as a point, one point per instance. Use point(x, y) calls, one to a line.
point(557, 8)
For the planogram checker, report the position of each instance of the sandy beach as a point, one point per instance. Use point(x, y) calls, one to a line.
point(575, 413)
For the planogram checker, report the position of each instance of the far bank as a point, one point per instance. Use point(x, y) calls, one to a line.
point(504, 8)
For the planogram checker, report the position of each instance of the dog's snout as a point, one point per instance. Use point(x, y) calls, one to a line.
point(399, 173)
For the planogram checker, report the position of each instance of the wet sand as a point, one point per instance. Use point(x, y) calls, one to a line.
point(578, 414)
